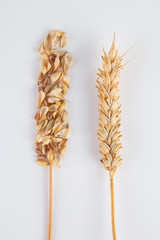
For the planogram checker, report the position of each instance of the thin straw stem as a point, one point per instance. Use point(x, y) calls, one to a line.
point(50, 221)
point(113, 208)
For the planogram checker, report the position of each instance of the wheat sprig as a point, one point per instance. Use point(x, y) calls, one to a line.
point(109, 117)
point(52, 117)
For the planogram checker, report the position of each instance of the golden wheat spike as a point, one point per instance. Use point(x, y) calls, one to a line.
point(51, 117)
point(109, 117)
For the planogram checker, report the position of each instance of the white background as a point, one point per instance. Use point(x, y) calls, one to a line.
point(81, 187)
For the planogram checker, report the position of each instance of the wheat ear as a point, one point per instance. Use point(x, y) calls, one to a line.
point(51, 117)
point(109, 117)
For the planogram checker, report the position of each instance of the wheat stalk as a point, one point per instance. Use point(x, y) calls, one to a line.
point(109, 117)
point(51, 117)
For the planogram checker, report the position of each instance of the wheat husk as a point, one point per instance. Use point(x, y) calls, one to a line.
point(109, 134)
point(52, 117)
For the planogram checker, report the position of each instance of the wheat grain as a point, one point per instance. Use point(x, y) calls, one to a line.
point(109, 116)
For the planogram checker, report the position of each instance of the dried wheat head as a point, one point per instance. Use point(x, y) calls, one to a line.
point(109, 109)
point(51, 117)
